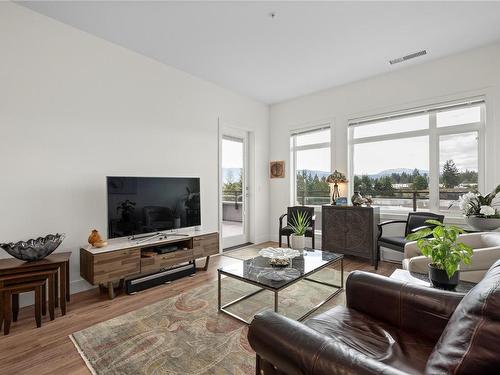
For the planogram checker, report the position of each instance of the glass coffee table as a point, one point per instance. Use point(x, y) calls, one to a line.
point(257, 271)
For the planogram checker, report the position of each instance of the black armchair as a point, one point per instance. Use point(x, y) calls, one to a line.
point(292, 212)
point(415, 221)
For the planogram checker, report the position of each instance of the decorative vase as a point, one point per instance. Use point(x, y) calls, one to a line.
point(357, 199)
point(439, 278)
point(298, 242)
point(34, 249)
point(94, 237)
point(482, 224)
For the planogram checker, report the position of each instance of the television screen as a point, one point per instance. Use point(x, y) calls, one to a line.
point(138, 205)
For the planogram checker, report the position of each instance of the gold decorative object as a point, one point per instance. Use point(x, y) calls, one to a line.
point(279, 262)
point(95, 239)
point(277, 169)
point(336, 178)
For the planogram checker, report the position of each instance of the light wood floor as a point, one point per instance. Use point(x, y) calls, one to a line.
point(48, 350)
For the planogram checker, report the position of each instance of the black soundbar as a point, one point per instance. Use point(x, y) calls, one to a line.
point(139, 283)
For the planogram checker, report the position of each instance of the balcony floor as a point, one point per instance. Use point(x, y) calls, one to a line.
point(231, 228)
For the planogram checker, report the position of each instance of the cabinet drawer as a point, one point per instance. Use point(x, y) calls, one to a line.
point(206, 245)
point(160, 261)
point(116, 265)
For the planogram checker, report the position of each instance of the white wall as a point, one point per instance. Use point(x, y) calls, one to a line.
point(75, 108)
point(476, 72)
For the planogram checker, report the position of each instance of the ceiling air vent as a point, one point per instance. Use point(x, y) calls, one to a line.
point(408, 57)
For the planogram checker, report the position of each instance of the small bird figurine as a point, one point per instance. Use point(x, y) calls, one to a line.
point(95, 239)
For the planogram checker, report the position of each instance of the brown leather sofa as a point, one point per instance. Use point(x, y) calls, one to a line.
point(387, 327)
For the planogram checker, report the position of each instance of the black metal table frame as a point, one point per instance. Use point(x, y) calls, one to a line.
point(222, 308)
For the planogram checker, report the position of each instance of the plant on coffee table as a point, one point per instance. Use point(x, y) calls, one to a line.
point(299, 223)
point(440, 244)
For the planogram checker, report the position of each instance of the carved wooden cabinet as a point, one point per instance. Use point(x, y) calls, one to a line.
point(350, 230)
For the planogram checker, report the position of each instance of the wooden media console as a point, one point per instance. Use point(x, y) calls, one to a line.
point(125, 258)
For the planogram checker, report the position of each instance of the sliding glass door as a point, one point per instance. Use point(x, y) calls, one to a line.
point(234, 191)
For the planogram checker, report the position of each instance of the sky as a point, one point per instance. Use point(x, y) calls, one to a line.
point(314, 160)
point(232, 154)
point(462, 149)
point(372, 158)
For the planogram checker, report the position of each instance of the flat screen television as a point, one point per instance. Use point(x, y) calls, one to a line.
point(139, 205)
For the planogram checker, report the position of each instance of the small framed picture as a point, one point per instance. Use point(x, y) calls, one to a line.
point(341, 201)
point(277, 169)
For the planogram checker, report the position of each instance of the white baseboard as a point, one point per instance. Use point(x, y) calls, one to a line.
point(262, 238)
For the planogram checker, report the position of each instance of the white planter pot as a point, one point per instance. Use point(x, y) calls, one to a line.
point(482, 224)
point(177, 222)
point(297, 242)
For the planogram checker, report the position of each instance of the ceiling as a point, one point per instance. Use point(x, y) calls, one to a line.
point(306, 47)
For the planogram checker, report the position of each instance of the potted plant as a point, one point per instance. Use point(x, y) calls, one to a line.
point(440, 244)
point(299, 223)
point(481, 211)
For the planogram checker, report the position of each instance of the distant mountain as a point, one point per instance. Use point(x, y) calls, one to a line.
point(388, 172)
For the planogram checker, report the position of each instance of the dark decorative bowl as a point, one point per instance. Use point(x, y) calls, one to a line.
point(32, 250)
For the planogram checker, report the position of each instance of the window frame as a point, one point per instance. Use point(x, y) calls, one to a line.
point(434, 133)
point(293, 154)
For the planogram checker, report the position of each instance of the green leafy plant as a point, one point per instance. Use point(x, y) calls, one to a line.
point(300, 222)
point(440, 244)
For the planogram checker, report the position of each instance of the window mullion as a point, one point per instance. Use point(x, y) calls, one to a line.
point(313, 146)
point(392, 136)
point(433, 163)
point(294, 171)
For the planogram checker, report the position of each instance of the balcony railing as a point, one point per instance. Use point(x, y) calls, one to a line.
point(232, 196)
point(313, 197)
point(409, 198)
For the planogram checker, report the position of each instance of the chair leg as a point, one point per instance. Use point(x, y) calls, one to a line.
point(56, 289)
point(288, 240)
point(15, 307)
point(377, 257)
point(38, 306)
point(7, 312)
point(279, 239)
point(312, 237)
point(1, 310)
point(51, 297)
point(44, 299)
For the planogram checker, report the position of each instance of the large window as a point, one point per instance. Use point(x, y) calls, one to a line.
point(423, 160)
point(311, 161)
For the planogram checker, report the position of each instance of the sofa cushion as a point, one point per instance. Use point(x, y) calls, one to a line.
point(490, 239)
point(471, 340)
point(381, 342)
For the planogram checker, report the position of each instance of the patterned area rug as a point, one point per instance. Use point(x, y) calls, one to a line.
point(185, 334)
